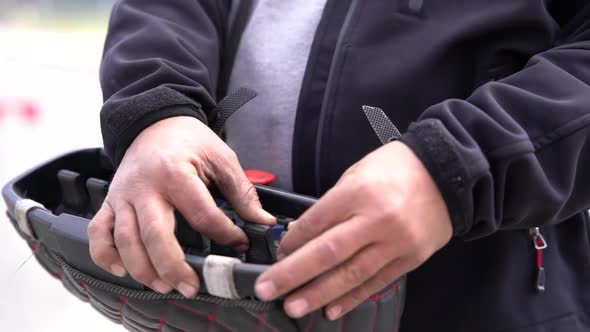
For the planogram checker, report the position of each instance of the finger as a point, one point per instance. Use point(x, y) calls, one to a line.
point(345, 304)
point(102, 245)
point(156, 229)
point(318, 256)
point(332, 208)
point(198, 207)
point(240, 192)
point(337, 282)
point(132, 251)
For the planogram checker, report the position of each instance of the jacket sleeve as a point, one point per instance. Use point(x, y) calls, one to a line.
point(516, 153)
point(161, 59)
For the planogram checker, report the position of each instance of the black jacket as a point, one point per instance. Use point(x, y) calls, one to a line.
point(496, 99)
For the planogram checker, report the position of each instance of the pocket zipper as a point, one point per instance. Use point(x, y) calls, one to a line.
point(539, 244)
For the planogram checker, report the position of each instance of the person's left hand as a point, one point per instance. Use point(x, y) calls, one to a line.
point(383, 218)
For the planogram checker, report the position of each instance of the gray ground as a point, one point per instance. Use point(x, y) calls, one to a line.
point(57, 71)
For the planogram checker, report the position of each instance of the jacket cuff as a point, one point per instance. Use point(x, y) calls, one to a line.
point(433, 144)
point(121, 125)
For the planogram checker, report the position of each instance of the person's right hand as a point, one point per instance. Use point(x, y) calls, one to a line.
point(169, 165)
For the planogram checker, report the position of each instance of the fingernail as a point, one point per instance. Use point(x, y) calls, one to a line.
point(161, 287)
point(118, 270)
point(269, 217)
point(187, 290)
point(291, 224)
point(280, 256)
point(334, 312)
point(265, 290)
point(297, 308)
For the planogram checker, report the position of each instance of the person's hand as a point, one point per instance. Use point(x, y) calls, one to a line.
point(383, 218)
point(170, 164)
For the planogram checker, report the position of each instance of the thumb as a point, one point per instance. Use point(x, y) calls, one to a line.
point(241, 193)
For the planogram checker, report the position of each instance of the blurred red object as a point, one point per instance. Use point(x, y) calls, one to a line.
point(257, 176)
point(30, 111)
point(23, 108)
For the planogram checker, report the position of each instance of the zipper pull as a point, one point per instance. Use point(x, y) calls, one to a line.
point(540, 245)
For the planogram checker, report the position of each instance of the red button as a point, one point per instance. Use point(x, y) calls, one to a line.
point(259, 177)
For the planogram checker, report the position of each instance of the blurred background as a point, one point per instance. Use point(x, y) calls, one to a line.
point(49, 104)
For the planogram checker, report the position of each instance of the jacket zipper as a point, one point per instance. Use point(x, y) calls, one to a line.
point(540, 244)
point(329, 88)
